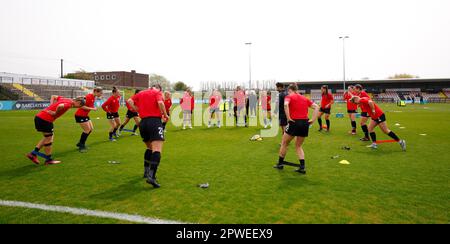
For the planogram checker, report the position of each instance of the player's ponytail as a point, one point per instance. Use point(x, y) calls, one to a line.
point(114, 90)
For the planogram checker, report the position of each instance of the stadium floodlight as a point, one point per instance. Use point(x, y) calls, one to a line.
point(343, 54)
point(62, 68)
point(249, 44)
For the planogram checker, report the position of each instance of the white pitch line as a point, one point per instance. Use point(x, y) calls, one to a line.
point(87, 212)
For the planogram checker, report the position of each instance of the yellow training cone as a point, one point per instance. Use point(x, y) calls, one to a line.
point(344, 162)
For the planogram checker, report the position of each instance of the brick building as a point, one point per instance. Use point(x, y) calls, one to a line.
point(119, 78)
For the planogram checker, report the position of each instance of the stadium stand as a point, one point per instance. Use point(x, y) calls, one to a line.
point(36, 88)
point(45, 92)
point(429, 96)
point(19, 94)
point(40, 92)
point(387, 97)
point(339, 95)
point(7, 94)
point(446, 92)
point(26, 91)
point(316, 95)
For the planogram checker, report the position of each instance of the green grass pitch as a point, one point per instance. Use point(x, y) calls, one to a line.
point(382, 186)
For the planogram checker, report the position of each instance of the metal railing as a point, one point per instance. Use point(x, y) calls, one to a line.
point(8, 78)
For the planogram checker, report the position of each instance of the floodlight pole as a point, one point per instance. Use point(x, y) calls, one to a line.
point(343, 55)
point(62, 68)
point(249, 64)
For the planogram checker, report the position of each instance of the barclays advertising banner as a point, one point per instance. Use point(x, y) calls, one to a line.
point(23, 105)
point(30, 105)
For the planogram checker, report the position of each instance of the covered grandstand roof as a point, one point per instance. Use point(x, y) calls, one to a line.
point(416, 80)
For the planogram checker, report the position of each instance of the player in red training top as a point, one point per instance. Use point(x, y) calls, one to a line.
point(44, 123)
point(131, 114)
point(239, 103)
point(111, 107)
point(378, 119)
point(351, 108)
point(57, 98)
point(214, 103)
point(150, 106)
point(325, 107)
point(265, 100)
point(364, 114)
point(187, 105)
point(82, 117)
point(168, 106)
point(296, 108)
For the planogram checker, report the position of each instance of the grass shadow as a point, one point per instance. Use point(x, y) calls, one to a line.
point(124, 191)
point(20, 172)
point(363, 149)
point(57, 154)
point(291, 180)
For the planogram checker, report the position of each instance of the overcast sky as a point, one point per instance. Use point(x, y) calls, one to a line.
point(201, 40)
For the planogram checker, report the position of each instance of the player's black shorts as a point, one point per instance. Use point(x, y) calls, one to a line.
point(380, 119)
point(81, 119)
point(351, 111)
point(151, 129)
point(365, 115)
point(131, 114)
point(298, 128)
point(42, 125)
point(283, 120)
point(112, 115)
point(325, 110)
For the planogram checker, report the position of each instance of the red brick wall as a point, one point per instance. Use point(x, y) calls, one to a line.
point(121, 78)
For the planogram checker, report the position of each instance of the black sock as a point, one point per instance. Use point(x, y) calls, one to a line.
point(83, 138)
point(110, 134)
point(365, 130)
point(280, 160)
point(121, 127)
point(320, 123)
point(394, 136)
point(328, 124)
point(154, 163)
point(354, 125)
point(302, 164)
point(114, 131)
point(373, 136)
point(135, 128)
point(147, 157)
